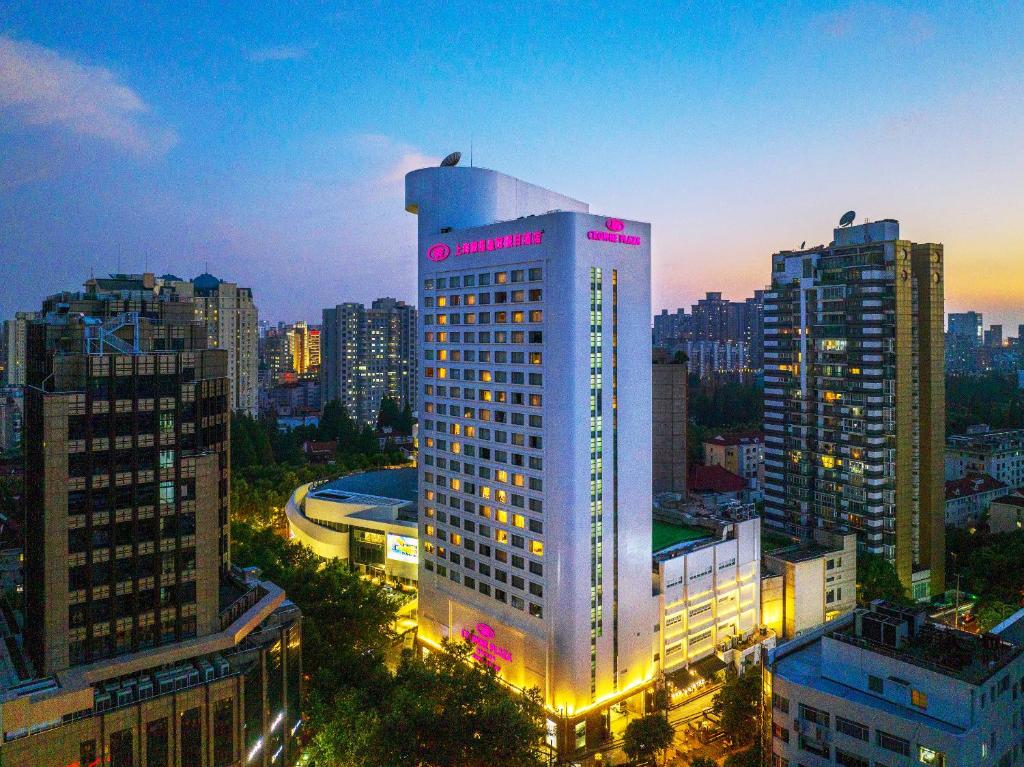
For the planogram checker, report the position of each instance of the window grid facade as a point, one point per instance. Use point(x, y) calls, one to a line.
point(480, 443)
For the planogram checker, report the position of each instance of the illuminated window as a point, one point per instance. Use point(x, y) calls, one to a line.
point(517, 316)
point(537, 548)
point(442, 355)
point(501, 475)
point(456, 447)
point(502, 516)
point(442, 301)
point(486, 511)
point(500, 278)
point(455, 429)
point(470, 431)
point(536, 315)
point(519, 520)
point(501, 496)
point(485, 376)
point(442, 372)
point(535, 358)
point(442, 337)
point(501, 536)
point(485, 491)
point(918, 698)
point(456, 484)
point(518, 480)
point(428, 511)
point(456, 539)
point(442, 319)
point(428, 529)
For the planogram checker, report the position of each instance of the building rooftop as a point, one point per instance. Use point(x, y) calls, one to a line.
point(1011, 500)
point(664, 535)
point(972, 484)
point(907, 634)
point(803, 666)
point(802, 552)
point(737, 438)
point(715, 479)
point(988, 439)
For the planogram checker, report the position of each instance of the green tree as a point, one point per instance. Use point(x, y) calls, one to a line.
point(405, 421)
point(347, 730)
point(389, 415)
point(703, 761)
point(738, 702)
point(648, 737)
point(446, 711)
point(991, 612)
point(877, 579)
point(750, 757)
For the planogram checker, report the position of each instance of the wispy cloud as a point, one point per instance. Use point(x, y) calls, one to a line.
point(39, 87)
point(872, 18)
point(279, 53)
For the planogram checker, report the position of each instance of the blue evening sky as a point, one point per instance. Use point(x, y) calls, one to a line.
point(270, 140)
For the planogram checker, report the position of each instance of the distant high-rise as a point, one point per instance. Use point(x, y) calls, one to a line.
point(232, 324)
point(670, 328)
point(963, 341)
point(367, 354)
point(16, 332)
point(668, 426)
point(854, 396)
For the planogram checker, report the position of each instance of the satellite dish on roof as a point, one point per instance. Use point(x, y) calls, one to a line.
point(451, 160)
point(846, 220)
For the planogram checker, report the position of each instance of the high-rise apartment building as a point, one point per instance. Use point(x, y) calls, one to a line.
point(855, 399)
point(963, 342)
point(535, 414)
point(140, 639)
point(232, 324)
point(367, 354)
point(16, 332)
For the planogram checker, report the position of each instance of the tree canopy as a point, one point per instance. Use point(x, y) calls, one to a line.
point(738, 704)
point(438, 711)
point(648, 737)
point(877, 579)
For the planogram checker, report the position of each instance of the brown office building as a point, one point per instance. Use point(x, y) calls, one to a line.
point(855, 399)
point(143, 646)
point(668, 435)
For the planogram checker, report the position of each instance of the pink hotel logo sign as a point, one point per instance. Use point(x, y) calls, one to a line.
point(439, 251)
point(614, 227)
point(485, 650)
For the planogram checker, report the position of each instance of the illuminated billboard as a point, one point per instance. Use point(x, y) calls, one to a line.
point(402, 548)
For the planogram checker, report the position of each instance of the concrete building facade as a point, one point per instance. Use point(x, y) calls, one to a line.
point(855, 397)
point(668, 424)
point(887, 686)
point(535, 405)
point(808, 584)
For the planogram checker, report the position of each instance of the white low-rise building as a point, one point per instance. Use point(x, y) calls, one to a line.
point(375, 536)
point(887, 686)
point(707, 569)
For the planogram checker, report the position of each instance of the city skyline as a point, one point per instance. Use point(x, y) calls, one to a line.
point(240, 142)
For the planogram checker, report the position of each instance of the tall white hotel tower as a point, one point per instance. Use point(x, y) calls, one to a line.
point(535, 436)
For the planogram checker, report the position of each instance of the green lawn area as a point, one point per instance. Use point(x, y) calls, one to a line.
point(665, 534)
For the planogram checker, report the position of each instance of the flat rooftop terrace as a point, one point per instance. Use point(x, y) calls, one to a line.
point(666, 535)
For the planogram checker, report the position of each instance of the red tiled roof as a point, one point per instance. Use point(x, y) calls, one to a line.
point(972, 484)
point(1011, 500)
point(739, 438)
point(715, 479)
point(320, 447)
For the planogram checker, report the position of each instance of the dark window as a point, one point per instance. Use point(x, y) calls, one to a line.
point(892, 743)
point(156, 743)
point(850, 760)
point(121, 751)
point(87, 753)
point(851, 728)
point(191, 739)
point(223, 733)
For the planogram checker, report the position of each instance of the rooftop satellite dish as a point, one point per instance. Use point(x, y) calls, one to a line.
point(846, 220)
point(452, 160)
